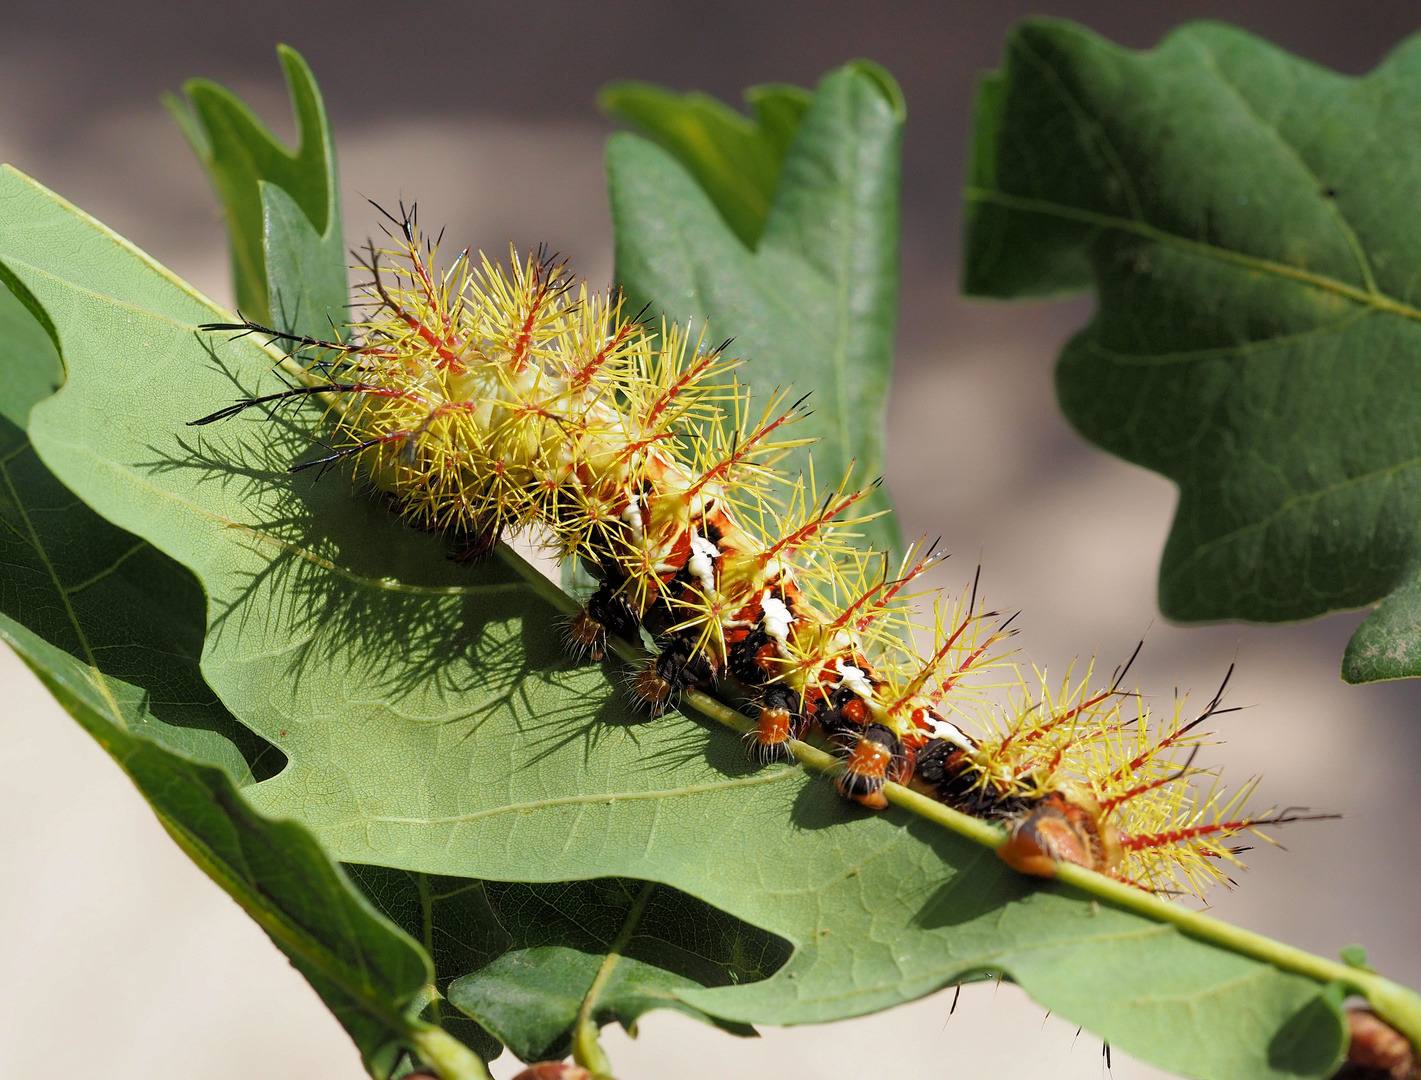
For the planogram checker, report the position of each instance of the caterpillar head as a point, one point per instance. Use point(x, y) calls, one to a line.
point(1065, 826)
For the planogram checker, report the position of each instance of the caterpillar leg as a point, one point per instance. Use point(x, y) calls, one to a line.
point(871, 760)
point(779, 722)
point(607, 614)
point(649, 685)
point(1377, 1049)
point(586, 636)
point(677, 668)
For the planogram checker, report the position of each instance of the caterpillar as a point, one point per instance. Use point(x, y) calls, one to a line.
point(485, 401)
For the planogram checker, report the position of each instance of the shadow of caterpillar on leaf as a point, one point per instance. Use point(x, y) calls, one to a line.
point(486, 402)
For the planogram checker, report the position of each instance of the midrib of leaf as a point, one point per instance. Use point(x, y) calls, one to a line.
point(1378, 300)
point(1398, 1005)
point(101, 684)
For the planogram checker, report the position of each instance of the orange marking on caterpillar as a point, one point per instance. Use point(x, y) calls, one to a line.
point(864, 773)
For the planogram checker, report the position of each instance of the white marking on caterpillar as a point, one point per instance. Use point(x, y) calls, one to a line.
point(701, 564)
point(853, 678)
point(632, 516)
point(949, 732)
point(776, 618)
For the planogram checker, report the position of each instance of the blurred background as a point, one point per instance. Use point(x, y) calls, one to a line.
point(120, 959)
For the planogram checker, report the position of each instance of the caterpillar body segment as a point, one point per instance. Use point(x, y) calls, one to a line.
point(486, 401)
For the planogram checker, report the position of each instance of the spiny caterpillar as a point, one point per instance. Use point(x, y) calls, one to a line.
point(485, 402)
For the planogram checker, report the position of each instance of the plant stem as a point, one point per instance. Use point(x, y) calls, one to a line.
point(446, 1055)
point(586, 1050)
point(1397, 1005)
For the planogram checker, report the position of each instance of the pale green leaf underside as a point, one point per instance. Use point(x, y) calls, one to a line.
point(433, 724)
point(132, 621)
point(1248, 220)
point(102, 596)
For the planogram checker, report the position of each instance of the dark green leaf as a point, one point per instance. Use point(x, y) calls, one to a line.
point(522, 957)
point(1246, 219)
point(434, 725)
point(737, 161)
point(814, 306)
point(367, 971)
point(243, 159)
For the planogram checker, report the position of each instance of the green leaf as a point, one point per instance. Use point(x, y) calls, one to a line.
point(735, 160)
point(245, 162)
point(30, 368)
point(434, 725)
point(301, 270)
point(108, 599)
point(813, 307)
point(526, 955)
point(305, 271)
point(367, 971)
point(115, 629)
point(1246, 220)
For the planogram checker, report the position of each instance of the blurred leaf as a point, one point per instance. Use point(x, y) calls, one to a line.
point(244, 161)
point(814, 306)
point(1247, 221)
point(434, 724)
point(735, 160)
point(526, 955)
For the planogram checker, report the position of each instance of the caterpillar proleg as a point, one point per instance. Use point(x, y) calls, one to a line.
point(485, 401)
